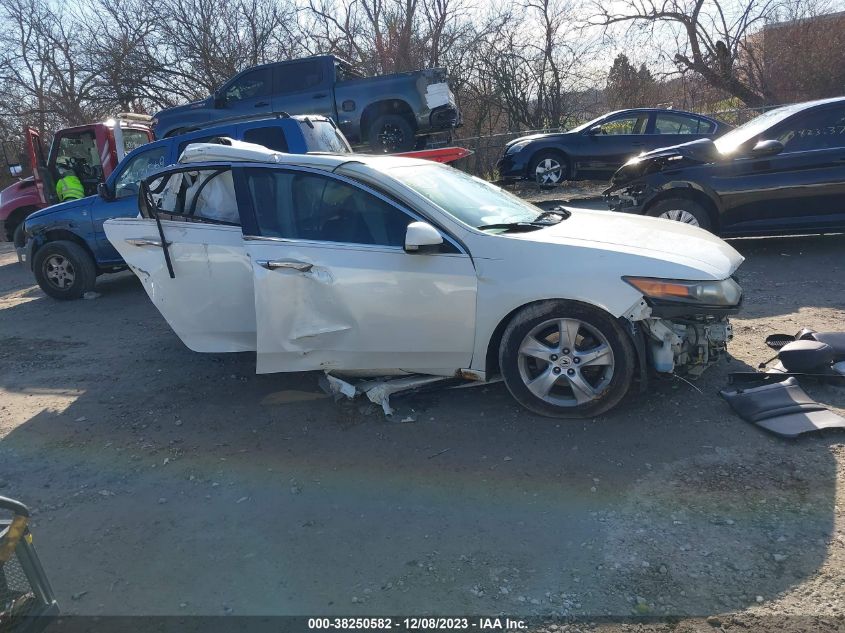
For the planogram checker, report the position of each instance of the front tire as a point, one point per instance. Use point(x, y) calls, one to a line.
point(682, 210)
point(64, 270)
point(391, 133)
point(566, 359)
point(548, 168)
point(18, 236)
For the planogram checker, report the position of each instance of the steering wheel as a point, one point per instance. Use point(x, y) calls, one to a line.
point(83, 169)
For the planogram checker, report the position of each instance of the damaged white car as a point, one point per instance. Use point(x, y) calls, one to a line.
point(382, 266)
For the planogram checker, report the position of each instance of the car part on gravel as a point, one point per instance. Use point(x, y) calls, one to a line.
point(782, 408)
point(27, 603)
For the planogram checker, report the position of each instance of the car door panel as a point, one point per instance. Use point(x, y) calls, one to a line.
point(784, 192)
point(361, 307)
point(303, 88)
point(622, 137)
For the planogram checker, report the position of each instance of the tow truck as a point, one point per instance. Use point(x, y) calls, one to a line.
point(91, 151)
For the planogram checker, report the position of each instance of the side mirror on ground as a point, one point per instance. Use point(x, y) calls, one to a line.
point(596, 129)
point(766, 148)
point(421, 237)
point(104, 191)
point(15, 170)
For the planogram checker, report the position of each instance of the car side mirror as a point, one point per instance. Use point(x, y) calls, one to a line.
point(421, 237)
point(593, 131)
point(219, 98)
point(104, 192)
point(766, 148)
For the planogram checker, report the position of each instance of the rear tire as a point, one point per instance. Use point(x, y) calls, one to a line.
point(391, 133)
point(565, 359)
point(682, 210)
point(64, 270)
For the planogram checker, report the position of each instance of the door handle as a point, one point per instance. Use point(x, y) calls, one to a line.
point(302, 267)
point(145, 241)
point(321, 95)
point(261, 104)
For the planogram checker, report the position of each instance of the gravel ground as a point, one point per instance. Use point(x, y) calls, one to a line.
point(169, 482)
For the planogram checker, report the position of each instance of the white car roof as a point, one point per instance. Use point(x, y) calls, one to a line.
point(240, 151)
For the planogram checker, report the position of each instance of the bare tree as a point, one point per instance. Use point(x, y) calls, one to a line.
point(714, 33)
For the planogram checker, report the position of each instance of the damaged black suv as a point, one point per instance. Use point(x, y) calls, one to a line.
point(781, 173)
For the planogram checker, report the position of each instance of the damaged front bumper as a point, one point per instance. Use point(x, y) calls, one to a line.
point(629, 199)
point(688, 345)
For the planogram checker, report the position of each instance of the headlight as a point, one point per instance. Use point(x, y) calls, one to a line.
point(712, 293)
point(516, 147)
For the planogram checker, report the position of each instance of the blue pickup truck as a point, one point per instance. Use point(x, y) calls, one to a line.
point(66, 247)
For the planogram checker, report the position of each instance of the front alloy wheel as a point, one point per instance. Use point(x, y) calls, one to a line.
point(565, 362)
point(566, 359)
point(59, 272)
point(680, 215)
point(548, 171)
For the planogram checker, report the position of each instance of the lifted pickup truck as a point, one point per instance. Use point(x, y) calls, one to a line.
point(391, 113)
point(66, 247)
point(91, 151)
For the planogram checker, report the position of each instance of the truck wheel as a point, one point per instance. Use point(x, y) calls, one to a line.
point(565, 359)
point(18, 236)
point(682, 210)
point(64, 270)
point(391, 133)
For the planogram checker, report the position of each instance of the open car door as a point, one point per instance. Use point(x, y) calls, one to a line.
point(44, 183)
point(187, 250)
point(336, 290)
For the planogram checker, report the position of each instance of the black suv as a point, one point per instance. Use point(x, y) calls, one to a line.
point(781, 173)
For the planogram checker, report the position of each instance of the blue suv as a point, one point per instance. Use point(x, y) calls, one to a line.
point(66, 247)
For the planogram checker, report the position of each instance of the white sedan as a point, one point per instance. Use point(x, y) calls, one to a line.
point(386, 266)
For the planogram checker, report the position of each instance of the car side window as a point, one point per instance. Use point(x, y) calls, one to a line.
point(298, 76)
point(305, 206)
point(138, 168)
point(271, 137)
point(254, 83)
point(820, 129)
point(666, 123)
point(625, 125)
point(202, 195)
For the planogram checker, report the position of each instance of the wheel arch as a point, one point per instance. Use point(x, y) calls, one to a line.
point(16, 217)
point(690, 193)
point(386, 106)
point(491, 360)
point(60, 235)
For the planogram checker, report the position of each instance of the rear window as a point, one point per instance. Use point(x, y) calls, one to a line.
point(271, 137)
point(322, 136)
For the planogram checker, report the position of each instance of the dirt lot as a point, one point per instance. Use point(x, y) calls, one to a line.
point(169, 482)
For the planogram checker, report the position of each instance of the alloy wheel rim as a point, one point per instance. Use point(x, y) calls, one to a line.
point(390, 137)
point(566, 362)
point(680, 215)
point(59, 271)
point(548, 172)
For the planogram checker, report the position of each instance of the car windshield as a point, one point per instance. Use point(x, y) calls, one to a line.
point(738, 137)
point(469, 199)
point(591, 123)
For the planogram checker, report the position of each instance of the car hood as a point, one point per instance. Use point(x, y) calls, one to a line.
point(695, 152)
point(536, 137)
point(176, 110)
point(688, 252)
point(63, 207)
